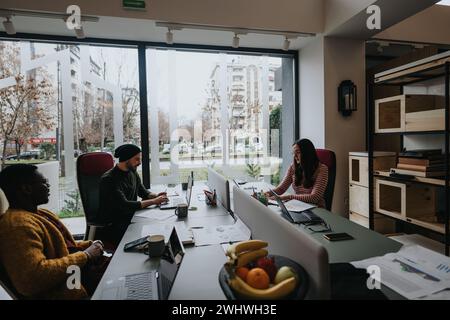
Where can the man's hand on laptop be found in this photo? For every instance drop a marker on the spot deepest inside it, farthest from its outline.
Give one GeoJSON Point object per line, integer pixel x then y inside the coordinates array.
{"type": "Point", "coordinates": [160, 199]}
{"type": "Point", "coordinates": [155, 201]}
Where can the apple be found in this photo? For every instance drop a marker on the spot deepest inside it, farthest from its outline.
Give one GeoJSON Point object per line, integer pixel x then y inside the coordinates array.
{"type": "Point", "coordinates": [284, 273]}
{"type": "Point", "coordinates": [268, 264]}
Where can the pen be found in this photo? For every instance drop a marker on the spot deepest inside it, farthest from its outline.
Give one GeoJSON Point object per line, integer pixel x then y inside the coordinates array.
{"type": "Point", "coordinates": [196, 227]}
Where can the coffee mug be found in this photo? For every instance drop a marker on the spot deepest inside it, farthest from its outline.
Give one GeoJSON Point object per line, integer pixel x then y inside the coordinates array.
{"type": "Point", "coordinates": [184, 186]}
{"type": "Point", "coordinates": [156, 245]}
{"type": "Point", "coordinates": [182, 210]}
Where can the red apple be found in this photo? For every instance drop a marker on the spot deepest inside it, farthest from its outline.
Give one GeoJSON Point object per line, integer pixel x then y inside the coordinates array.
{"type": "Point", "coordinates": [268, 264]}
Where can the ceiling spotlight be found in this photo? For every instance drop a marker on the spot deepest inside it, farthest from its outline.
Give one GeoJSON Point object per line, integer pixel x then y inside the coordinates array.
{"type": "Point", "coordinates": [235, 41]}
{"type": "Point", "coordinates": [286, 44]}
{"type": "Point", "coordinates": [9, 27]}
{"type": "Point", "coordinates": [169, 36]}
{"type": "Point", "coordinates": [80, 33]}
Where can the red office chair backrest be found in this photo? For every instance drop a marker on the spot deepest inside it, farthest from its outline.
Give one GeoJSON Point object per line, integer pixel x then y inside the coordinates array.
{"type": "Point", "coordinates": [328, 158]}
{"type": "Point", "coordinates": [90, 168]}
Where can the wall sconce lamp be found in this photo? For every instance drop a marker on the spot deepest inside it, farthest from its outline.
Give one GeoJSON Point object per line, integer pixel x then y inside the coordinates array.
{"type": "Point", "coordinates": [347, 98]}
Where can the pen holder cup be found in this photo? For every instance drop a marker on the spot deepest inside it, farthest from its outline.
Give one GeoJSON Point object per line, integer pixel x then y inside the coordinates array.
{"type": "Point", "coordinates": [210, 198]}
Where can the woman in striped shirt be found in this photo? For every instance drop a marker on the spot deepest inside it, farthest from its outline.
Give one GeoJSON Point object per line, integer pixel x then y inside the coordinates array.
{"type": "Point", "coordinates": [306, 174]}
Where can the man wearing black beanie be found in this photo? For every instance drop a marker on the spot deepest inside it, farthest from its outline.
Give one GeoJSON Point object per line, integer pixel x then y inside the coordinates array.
{"type": "Point", "coordinates": [119, 189]}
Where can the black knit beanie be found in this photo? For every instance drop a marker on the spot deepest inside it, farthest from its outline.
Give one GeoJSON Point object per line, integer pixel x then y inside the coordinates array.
{"type": "Point", "coordinates": [126, 151]}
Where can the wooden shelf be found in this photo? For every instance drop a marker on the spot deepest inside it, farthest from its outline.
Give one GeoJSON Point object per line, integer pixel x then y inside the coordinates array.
{"type": "Point", "coordinates": [436, 227]}
{"type": "Point", "coordinates": [428, 68]}
{"type": "Point", "coordinates": [432, 181]}
{"type": "Point", "coordinates": [406, 133]}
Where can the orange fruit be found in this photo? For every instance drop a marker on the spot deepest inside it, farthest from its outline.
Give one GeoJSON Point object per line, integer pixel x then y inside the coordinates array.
{"type": "Point", "coordinates": [258, 278]}
{"type": "Point", "coordinates": [242, 273]}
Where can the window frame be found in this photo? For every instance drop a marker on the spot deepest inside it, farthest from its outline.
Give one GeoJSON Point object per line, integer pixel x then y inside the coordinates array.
{"type": "Point", "coordinates": [142, 70]}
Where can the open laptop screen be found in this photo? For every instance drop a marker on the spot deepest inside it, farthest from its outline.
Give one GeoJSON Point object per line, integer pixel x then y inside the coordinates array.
{"type": "Point", "coordinates": [170, 265]}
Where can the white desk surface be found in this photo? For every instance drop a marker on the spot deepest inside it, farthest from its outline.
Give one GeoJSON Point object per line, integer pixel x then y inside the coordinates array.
{"type": "Point", "coordinates": [198, 274]}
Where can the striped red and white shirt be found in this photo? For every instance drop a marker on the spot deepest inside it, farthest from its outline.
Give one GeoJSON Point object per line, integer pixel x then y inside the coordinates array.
{"type": "Point", "coordinates": [314, 195]}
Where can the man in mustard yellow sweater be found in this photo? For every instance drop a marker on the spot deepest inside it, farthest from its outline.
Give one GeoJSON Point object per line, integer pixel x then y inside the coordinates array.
{"type": "Point", "coordinates": [36, 249]}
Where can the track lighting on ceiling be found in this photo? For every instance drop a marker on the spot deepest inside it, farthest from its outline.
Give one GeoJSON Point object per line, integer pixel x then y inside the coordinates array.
{"type": "Point", "coordinates": [237, 31]}
{"type": "Point", "coordinates": [235, 43]}
{"type": "Point", "coordinates": [9, 26]}
{"type": "Point", "coordinates": [286, 44]}
{"type": "Point", "coordinates": [169, 36]}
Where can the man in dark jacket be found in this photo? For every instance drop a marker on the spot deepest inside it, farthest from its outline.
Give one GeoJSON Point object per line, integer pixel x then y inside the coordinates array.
{"type": "Point", "coordinates": [119, 191]}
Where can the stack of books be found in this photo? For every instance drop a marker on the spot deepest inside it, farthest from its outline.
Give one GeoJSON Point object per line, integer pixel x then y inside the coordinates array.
{"type": "Point", "coordinates": [421, 163]}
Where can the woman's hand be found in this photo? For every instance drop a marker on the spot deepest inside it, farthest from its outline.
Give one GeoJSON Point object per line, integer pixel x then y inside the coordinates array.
{"type": "Point", "coordinates": [269, 195]}
{"type": "Point", "coordinates": [161, 194]}
{"type": "Point", "coordinates": [285, 198]}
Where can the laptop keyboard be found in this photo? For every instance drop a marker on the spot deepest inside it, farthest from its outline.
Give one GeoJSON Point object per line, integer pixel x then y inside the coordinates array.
{"type": "Point", "coordinates": [173, 202]}
{"type": "Point", "coordinates": [140, 285]}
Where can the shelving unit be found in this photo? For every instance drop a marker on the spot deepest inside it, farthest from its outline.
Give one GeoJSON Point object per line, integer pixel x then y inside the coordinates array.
{"type": "Point", "coordinates": [413, 201]}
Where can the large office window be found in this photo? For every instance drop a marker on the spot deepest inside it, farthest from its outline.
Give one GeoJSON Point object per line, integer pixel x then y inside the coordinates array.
{"type": "Point", "coordinates": [205, 108]}
{"type": "Point", "coordinates": [217, 109]}
{"type": "Point", "coordinates": [58, 101]}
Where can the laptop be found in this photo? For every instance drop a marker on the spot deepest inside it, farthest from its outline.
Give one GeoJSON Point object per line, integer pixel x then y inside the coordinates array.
{"type": "Point", "coordinates": [151, 285]}
{"type": "Point", "coordinates": [175, 201]}
{"type": "Point", "coordinates": [304, 217]}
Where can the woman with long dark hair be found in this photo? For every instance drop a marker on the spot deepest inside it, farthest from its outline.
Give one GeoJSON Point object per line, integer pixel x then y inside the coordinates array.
{"type": "Point", "coordinates": [306, 174]}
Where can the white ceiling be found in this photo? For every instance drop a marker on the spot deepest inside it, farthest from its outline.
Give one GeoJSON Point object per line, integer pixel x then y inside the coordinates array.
{"type": "Point", "coordinates": [145, 30]}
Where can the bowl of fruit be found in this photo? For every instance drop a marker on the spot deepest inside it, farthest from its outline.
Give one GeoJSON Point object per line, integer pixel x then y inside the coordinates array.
{"type": "Point", "coordinates": [252, 273]}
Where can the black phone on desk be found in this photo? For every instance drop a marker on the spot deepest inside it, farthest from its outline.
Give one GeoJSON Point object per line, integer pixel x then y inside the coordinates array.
{"type": "Point", "coordinates": [337, 236]}
{"type": "Point", "coordinates": [135, 244]}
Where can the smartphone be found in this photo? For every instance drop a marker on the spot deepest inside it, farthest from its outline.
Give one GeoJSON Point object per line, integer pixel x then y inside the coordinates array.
{"type": "Point", "coordinates": [136, 243]}
{"type": "Point", "coordinates": [337, 236]}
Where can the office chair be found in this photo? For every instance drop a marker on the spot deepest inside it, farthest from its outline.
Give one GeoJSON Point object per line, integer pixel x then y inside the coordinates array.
{"type": "Point", "coordinates": [3, 203]}
{"type": "Point", "coordinates": [90, 168]}
{"type": "Point", "coordinates": [328, 158]}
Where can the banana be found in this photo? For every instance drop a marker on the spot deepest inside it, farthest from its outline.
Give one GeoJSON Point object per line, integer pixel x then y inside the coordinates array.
{"type": "Point", "coordinates": [249, 256]}
{"type": "Point", "coordinates": [242, 246]}
{"type": "Point", "coordinates": [278, 291]}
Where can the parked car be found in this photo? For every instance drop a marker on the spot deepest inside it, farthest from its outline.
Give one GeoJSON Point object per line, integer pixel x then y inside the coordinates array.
{"type": "Point", "coordinates": [26, 155]}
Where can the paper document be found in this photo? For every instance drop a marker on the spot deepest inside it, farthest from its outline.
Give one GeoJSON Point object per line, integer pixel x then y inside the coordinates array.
{"type": "Point", "coordinates": [414, 272]}
{"type": "Point", "coordinates": [220, 234]}
{"type": "Point", "coordinates": [298, 206]}
{"type": "Point", "coordinates": [160, 215]}
{"type": "Point", "coordinates": [184, 233]}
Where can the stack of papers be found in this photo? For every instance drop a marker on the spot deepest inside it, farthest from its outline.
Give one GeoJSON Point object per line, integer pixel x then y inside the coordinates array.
{"type": "Point", "coordinates": [204, 236]}
{"type": "Point", "coordinates": [184, 233]}
{"type": "Point", "coordinates": [414, 272]}
{"type": "Point", "coordinates": [298, 206]}
{"type": "Point", "coordinates": [160, 215]}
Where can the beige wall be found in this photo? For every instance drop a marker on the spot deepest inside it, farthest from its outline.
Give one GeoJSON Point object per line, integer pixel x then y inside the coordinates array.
{"type": "Point", "coordinates": [344, 60]}
{"type": "Point", "coordinates": [338, 12]}
{"type": "Point", "coordinates": [324, 63]}
{"type": "Point", "coordinates": [432, 25]}
{"type": "Point", "coordinates": [311, 86]}
{"type": "Point", "coordinates": [286, 15]}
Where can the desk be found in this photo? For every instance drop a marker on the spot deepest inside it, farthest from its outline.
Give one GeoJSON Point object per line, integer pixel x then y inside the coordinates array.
{"type": "Point", "coordinates": [201, 265]}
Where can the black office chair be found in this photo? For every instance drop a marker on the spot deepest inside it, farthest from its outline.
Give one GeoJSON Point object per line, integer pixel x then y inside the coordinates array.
{"type": "Point", "coordinates": [328, 158]}
{"type": "Point", "coordinates": [90, 168]}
